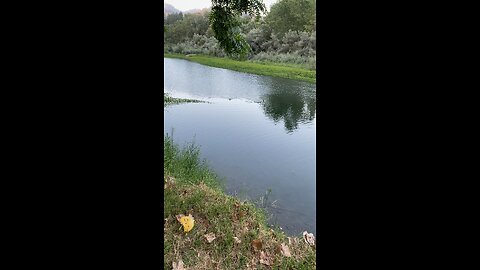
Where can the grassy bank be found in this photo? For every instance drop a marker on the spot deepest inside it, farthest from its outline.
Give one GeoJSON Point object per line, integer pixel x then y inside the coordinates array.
{"type": "Point", "coordinates": [259, 68]}
{"type": "Point", "coordinates": [242, 239]}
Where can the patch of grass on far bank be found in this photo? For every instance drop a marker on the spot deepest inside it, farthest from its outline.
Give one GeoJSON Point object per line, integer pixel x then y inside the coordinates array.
{"type": "Point", "coordinates": [259, 68]}
{"type": "Point", "coordinates": [192, 188]}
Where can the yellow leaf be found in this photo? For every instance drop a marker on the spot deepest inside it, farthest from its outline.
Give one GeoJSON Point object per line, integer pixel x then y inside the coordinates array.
{"type": "Point", "coordinates": [188, 222]}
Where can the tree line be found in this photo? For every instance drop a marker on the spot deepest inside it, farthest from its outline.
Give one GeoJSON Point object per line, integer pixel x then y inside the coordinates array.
{"type": "Point", "coordinates": [285, 35]}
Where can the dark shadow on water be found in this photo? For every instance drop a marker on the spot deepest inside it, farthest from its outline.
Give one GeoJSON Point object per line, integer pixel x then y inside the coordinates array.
{"type": "Point", "coordinates": [289, 104]}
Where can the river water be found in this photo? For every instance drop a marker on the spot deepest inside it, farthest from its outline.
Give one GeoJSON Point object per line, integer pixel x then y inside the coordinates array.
{"type": "Point", "coordinates": [256, 132]}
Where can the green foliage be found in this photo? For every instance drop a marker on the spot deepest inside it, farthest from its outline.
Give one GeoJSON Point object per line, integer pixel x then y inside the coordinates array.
{"type": "Point", "coordinates": [185, 164]}
{"type": "Point", "coordinates": [253, 7]}
{"type": "Point", "coordinates": [308, 62]}
{"type": "Point", "coordinates": [295, 15]}
{"type": "Point", "coordinates": [173, 18]}
{"type": "Point", "coordinates": [225, 22]}
{"type": "Point", "coordinates": [226, 29]}
{"type": "Point", "coordinates": [186, 27]}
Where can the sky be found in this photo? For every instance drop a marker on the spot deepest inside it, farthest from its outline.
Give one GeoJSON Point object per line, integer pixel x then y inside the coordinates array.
{"type": "Point", "coordinates": [184, 5]}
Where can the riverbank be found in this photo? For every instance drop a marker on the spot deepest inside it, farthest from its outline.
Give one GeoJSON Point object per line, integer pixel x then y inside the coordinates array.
{"type": "Point", "coordinates": [267, 69]}
{"type": "Point", "coordinates": [227, 233]}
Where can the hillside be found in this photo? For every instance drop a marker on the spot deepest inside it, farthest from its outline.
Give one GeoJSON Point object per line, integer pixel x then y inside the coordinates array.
{"type": "Point", "coordinates": [169, 9]}
{"type": "Point", "coordinates": [197, 11]}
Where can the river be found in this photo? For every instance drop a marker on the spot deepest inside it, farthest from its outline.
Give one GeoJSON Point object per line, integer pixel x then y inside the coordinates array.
{"type": "Point", "coordinates": [256, 132]}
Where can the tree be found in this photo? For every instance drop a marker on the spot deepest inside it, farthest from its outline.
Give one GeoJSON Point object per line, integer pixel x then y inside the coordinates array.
{"type": "Point", "coordinates": [224, 19]}
{"type": "Point", "coordinates": [174, 17]}
{"type": "Point", "coordinates": [187, 27]}
{"type": "Point", "coordinates": [295, 15]}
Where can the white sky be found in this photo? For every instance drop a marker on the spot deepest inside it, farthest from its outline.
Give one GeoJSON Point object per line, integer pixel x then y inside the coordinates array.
{"type": "Point", "coordinates": [185, 5]}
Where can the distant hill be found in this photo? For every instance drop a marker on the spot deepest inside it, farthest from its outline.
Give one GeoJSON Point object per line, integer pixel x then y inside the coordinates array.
{"type": "Point", "coordinates": [197, 10]}
{"type": "Point", "coordinates": [169, 9]}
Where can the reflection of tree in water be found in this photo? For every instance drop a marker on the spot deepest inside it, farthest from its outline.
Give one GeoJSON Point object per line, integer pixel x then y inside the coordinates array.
{"type": "Point", "coordinates": [290, 104]}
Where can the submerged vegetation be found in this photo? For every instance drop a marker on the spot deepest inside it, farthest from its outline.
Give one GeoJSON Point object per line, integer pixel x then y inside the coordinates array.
{"type": "Point", "coordinates": [288, 71]}
{"type": "Point", "coordinates": [168, 100]}
{"type": "Point", "coordinates": [227, 233]}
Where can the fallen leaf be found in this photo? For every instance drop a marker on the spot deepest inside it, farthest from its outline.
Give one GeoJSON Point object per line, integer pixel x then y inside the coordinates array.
{"type": "Point", "coordinates": [178, 266]}
{"type": "Point", "coordinates": [257, 244]}
{"type": "Point", "coordinates": [264, 259]}
{"type": "Point", "coordinates": [309, 238]}
{"type": "Point", "coordinates": [252, 265]}
{"type": "Point", "coordinates": [187, 222]}
{"type": "Point", "coordinates": [210, 237]}
{"type": "Point", "coordinates": [285, 251]}
{"type": "Point", "coordinates": [169, 181]}
{"type": "Point", "coordinates": [238, 241]}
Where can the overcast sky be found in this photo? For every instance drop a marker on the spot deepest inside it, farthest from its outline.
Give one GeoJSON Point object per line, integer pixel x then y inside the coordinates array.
{"type": "Point", "coordinates": [185, 5]}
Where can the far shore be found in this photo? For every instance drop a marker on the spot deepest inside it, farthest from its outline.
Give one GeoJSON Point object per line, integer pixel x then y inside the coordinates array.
{"type": "Point", "coordinates": [260, 68]}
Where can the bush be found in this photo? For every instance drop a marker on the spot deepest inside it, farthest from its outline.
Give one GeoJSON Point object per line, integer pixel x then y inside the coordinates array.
{"type": "Point", "coordinates": [296, 58]}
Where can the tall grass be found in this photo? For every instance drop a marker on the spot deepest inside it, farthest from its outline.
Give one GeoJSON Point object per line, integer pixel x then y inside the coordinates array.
{"type": "Point", "coordinates": [186, 165]}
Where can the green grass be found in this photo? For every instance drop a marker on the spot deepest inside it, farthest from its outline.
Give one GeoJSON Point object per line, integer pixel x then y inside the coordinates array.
{"type": "Point", "coordinates": [288, 71]}
{"type": "Point", "coordinates": [192, 188]}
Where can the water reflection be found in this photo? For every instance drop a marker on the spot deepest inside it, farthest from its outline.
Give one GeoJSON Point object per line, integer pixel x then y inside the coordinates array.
{"type": "Point", "coordinates": [291, 107]}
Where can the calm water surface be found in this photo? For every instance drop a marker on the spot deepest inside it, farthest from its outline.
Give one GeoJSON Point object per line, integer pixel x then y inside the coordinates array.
{"type": "Point", "coordinates": [256, 132]}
